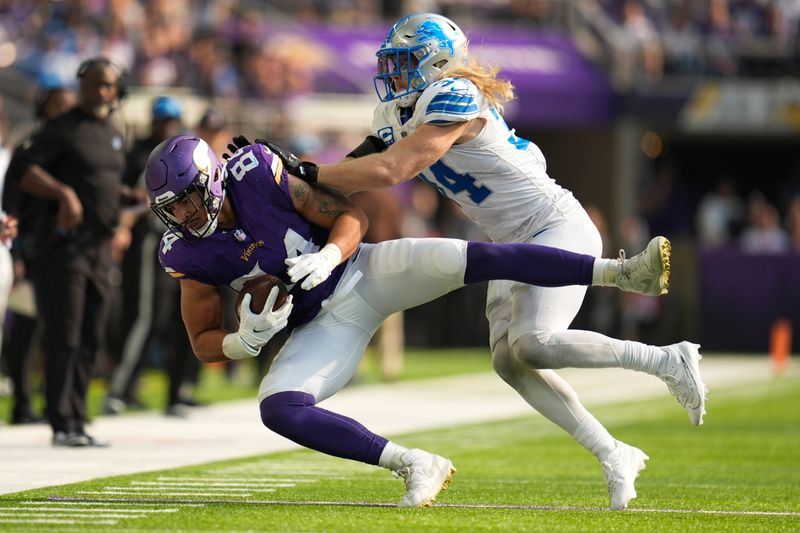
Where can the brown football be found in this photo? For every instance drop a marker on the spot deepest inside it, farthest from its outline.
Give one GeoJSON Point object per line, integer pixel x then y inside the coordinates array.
{"type": "Point", "coordinates": [259, 288]}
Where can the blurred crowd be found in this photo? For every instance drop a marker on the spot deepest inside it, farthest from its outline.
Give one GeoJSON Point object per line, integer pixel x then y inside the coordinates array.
{"type": "Point", "coordinates": [754, 223]}
{"type": "Point", "coordinates": [215, 48]}
{"type": "Point", "coordinates": [708, 37]}
{"type": "Point", "coordinates": [224, 48]}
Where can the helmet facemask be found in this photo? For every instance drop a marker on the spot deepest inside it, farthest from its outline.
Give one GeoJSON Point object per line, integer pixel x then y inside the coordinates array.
{"type": "Point", "coordinates": [396, 64]}
{"type": "Point", "coordinates": [199, 196]}
{"type": "Point", "coordinates": [183, 170]}
{"type": "Point", "coordinates": [418, 49]}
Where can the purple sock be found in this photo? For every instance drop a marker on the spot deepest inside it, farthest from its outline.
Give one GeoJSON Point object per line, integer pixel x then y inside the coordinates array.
{"type": "Point", "coordinates": [527, 263]}
{"type": "Point", "coordinates": [293, 415]}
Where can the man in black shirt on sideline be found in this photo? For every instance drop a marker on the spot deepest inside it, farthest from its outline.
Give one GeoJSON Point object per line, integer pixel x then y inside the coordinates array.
{"type": "Point", "coordinates": [76, 163]}
{"type": "Point", "coordinates": [50, 103]}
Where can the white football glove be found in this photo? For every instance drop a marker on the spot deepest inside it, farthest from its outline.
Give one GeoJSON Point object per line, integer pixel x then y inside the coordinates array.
{"type": "Point", "coordinates": [256, 329]}
{"type": "Point", "coordinates": [314, 267]}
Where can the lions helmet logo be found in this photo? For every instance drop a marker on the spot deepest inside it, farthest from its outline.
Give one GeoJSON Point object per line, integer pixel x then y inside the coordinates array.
{"type": "Point", "coordinates": [431, 30]}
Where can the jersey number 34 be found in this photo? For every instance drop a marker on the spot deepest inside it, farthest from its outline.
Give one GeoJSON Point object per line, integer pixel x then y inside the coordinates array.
{"type": "Point", "coordinates": [456, 183]}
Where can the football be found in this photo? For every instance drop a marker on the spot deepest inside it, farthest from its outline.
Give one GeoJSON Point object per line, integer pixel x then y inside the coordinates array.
{"type": "Point", "coordinates": [259, 288]}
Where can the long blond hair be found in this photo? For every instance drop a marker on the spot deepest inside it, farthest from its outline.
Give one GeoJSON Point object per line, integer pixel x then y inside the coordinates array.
{"type": "Point", "coordinates": [496, 91]}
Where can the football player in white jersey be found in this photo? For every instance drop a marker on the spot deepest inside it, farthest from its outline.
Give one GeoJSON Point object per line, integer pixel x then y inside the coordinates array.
{"type": "Point", "coordinates": [440, 118]}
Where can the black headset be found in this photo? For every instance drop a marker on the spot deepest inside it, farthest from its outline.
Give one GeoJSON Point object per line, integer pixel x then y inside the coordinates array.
{"type": "Point", "coordinates": [122, 74]}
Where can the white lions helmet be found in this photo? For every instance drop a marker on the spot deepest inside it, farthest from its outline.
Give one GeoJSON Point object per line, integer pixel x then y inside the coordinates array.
{"type": "Point", "coordinates": [418, 48]}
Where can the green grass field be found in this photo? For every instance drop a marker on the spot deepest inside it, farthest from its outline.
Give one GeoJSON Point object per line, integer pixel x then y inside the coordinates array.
{"type": "Point", "coordinates": [739, 472]}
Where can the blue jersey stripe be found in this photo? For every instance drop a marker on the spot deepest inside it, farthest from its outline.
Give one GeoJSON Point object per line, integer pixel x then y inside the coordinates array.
{"type": "Point", "coordinates": [454, 98]}
{"type": "Point", "coordinates": [452, 108]}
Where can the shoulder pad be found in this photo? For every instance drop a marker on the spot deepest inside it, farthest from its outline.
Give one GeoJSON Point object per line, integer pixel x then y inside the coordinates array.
{"type": "Point", "coordinates": [448, 101]}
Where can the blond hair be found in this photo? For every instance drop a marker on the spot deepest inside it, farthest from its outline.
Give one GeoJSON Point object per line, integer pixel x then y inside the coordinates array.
{"type": "Point", "coordinates": [496, 91]}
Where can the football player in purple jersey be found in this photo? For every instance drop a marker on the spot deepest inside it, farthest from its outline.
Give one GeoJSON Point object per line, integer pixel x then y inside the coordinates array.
{"type": "Point", "coordinates": [229, 223]}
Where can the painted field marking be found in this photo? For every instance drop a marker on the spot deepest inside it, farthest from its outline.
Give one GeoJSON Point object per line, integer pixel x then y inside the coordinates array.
{"type": "Point", "coordinates": [89, 502]}
{"type": "Point", "coordinates": [58, 508]}
{"type": "Point", "coordinates": [56, 521]}
{"type": "Point", "coordinates": [211, 479]}
{"type": "Point", "coordinates": [465, 506]}
{"type": "Point", "coordinates": [225, 490]}
{"type": "Point", "coordinates": [75, 516]}
{"type": "Point", "coordinates": [215, 485]}
{"type": "Point", "coordinates": [134, 493]}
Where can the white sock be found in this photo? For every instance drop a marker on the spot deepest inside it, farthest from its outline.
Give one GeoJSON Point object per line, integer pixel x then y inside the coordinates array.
{"type": "Point", "coordinates": [644, 358]}
{"type": "Point", "coordinates": [594, 437]}
{"type": "Point", "coordinates": [605, 272]}
{"type": "Point", "coordinates": [391, 456]}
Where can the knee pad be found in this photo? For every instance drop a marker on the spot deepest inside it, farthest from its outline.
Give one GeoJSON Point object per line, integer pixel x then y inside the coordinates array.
{"type": "Point", "coordinates": [444, 258]}
{"type": "Point", "coordinates": [532, 350]}
{"type": "Point", "coordinates": [390, 257]}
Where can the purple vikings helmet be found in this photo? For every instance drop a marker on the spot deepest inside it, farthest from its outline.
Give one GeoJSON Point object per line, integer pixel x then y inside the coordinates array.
{"type": "Point", "coordinates": [178, 167]}
{"type": "Point", "coordinates": [421, 46]}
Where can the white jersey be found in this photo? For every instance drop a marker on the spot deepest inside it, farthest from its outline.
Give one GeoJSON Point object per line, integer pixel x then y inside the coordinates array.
{"type": "Point", "coordinates": [499, 180]}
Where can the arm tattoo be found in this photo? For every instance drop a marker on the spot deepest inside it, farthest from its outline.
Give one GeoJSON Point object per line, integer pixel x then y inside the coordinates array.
{"type": "Point", "coordinates": [329, 204]}
{"type": "Point", "coordinates": [320, 201]}
{"type": "Point", "coordinates": [300, 191]}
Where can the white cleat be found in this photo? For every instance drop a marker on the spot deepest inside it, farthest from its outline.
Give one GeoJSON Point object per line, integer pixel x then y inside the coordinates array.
{"type": "Point", "coordinates": [647, 272]}
{"type": "Point", "coordinates": [684, 381]}
{"type": "Point", "coordinates": [425, 475]}
{"type": "Point", "coordinates": [621, 468]}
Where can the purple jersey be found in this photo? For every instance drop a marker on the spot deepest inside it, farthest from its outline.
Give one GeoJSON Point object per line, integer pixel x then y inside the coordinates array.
{"type": "Point", "coordinates": [268, 230]}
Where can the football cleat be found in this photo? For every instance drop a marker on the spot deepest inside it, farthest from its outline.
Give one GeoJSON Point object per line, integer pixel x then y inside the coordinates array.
{"type": "Point", "coordinates": [683, 379]}
{"type": "Point", "coordinates": [63, 439]}
{"type": "Point", "coordinates": [425, 475]}
{"type": "Point", "coordinates": [647, 272]}
{"type": "Point", "coordinates": [621, 468]}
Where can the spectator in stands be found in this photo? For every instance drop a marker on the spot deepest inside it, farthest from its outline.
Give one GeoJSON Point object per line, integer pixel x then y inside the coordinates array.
{"type": "Point", "coordinates": [50, 102]}
{"type": "Point", "coordinates": [720, 39]}
{"type": "Point", "coordinates": [213, 128]}
{"type": "Point", "coordinates": [683, 41]}
{"type": "Point", "coordinates": [720, 214]}
{"type": "Point", "coordinates": [209, 70]}
{"type": "Point", "coordinates": [764, 234]}
{"type": "Point", "coordinates": [75, 162]}
{"type": "Point", "coordinates": [644, 42]}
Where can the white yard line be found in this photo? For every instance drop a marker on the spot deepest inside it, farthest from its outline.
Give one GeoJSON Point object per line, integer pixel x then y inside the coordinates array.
{"type": "Point", "coordinates": [148, 442]}
{"type": "Point", "coordinates": [571, 508]}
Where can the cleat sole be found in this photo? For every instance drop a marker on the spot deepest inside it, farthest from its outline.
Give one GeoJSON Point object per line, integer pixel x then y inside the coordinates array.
{"type": "Point", "coordinates": [445, 485]}
{"type": "Point", "coordinates": [665, 252]}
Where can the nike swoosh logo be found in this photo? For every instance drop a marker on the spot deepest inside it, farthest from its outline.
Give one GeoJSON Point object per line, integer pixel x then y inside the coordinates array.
{"type": "Point", "coordinates": [254, 348]}
{"type": "Point", "coordinates": [260, 330]}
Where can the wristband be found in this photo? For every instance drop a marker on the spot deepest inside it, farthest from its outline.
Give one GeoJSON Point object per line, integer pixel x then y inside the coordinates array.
{"type": "Point", "coordinates": [307, 171]}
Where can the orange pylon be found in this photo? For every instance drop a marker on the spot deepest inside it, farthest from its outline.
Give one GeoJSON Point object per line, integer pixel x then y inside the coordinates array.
{"type": "Point", "coordinates": [780, 345]}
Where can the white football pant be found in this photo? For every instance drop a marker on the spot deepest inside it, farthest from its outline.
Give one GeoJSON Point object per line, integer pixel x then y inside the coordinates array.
{"type": "Point", "coordinates": [322, 356]}
{"type": "Point", "coordinates": [529, 334]}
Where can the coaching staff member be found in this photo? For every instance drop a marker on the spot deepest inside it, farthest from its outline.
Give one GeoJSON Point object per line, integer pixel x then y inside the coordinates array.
{"type": "Point", "coordinates": [76, 163]}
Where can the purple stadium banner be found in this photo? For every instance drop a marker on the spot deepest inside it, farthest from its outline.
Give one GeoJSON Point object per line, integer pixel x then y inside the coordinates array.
{"type": "Point", "coordinates": [742, 295]}
{"type": "Point", "coordinates": [555, 84]}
